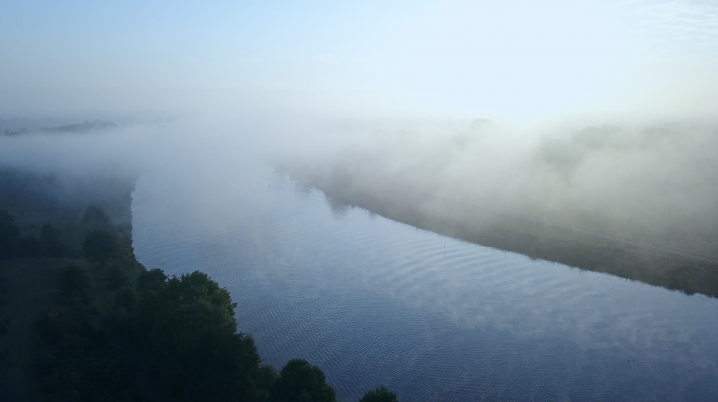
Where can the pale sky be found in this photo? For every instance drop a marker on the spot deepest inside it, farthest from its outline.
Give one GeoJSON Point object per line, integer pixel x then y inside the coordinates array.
{"type": "Point", "coordinates": [464, 58]}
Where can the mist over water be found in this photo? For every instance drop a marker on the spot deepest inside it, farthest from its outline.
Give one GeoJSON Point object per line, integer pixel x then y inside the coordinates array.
{"type": "Point", "coordinates": [654, 183]}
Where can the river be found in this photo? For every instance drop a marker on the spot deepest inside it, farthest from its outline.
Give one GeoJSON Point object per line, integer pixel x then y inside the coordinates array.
{"type": "Point", "coordinates": [375, 302]}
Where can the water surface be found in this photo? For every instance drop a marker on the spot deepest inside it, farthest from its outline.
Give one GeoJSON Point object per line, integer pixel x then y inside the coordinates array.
{"type": "Point", "coordinates": [375, 302]}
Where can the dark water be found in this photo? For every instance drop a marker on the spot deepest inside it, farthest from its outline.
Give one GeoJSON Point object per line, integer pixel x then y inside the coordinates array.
{"type": "Point", "coordinates": [374, 302]}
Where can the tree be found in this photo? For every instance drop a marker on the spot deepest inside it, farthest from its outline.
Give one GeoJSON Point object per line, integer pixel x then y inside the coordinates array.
{"type": "Point", "coordinates": [96, 218]}
{"type": "Point", "coordinates": [380, 394]}
{"type": "Point", "coordinates": [7, 224]}
{"type": "Point", "coordinates": [115, 277]}
{"type": "Point", "coordinates": [29, 246]}
{"type": "Point", "coordinates": [48, 234]}
{"type": "Point", "coordinates": [192, 307]}
{"type": "Point", "coordinates": [266, 377]}
{"type": "Point", "coordinates": [74, 282]}
{"type": "Point", "coordinates": [300, 381]}
{"type": "Point", "coordinates": [192, 326]}
{"type": "Point", "coordinates": [9, 234]}
{"type": "Point", "coordinates": [100, 245]}
{"type": "Point", "coordinates": [49, 241]}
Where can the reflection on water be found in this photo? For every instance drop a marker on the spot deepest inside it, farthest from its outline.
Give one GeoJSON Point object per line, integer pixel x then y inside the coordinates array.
{"type": "Point", "coordinates": [338, 208]}
{"type": "Point", "coordinates": [374, 302]}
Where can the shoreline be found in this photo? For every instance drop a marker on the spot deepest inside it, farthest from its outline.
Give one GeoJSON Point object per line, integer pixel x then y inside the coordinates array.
{"type": "Point", "coordinates": [462, 220]}
{"type": "Point", "coordinates": [88, 321]}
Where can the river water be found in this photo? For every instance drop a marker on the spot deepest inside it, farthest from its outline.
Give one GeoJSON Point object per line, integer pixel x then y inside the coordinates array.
{"type": "Point", "coordinates": [375, 302]}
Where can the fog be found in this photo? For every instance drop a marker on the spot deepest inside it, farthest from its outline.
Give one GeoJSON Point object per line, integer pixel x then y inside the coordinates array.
{"type": "Point", "coordinates": [655, 183]}
{"type": "Point", "coordinates": [594, 116]}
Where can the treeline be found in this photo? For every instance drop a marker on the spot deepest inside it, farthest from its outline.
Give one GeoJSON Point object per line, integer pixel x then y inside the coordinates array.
{"type": "Point", "coordinates": [120, 332]}
{"type": "Point", "coordinates": [12, 244]}
{"type": "Point", "coordinates": [673, 269]}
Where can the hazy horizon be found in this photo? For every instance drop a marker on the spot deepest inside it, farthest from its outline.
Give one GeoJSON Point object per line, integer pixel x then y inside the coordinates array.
{"type": "Point", "coordinates": [515, 61]}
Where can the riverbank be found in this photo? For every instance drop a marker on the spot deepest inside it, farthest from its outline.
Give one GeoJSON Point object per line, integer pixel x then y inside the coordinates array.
{"type": "Point", "coordinates": [81, 319]}
{"type": "Point", "coordinates": [492, 227]}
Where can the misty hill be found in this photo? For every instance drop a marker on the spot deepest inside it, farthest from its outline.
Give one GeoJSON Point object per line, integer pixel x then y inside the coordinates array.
{"type": "Point", "coordinates": [640, 204]}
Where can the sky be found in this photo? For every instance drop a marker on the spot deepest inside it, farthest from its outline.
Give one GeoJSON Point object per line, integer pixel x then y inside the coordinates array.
{"type": "Point", "coordinates": [508, 59]}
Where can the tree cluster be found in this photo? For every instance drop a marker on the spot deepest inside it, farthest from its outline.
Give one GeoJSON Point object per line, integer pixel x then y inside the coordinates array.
{"type": "Point", "coordinates": [187, 324]}
{"type": "Point", "coordinates": [12, 244]}
{"type": "Point", "coordinates": [77, 361]}
{"type": "Point", "coordinates": [120, 332]}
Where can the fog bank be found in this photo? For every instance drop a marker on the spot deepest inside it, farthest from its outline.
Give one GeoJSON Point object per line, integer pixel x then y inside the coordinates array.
{"type": "Point", "coordinates": [654, 184]}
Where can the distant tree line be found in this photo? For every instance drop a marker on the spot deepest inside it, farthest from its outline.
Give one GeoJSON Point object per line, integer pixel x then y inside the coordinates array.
{"type": "Point", "coordinates": [77, 128]}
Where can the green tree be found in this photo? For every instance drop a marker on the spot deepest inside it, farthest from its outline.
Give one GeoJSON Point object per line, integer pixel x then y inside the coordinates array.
{"type": "Point", "coordinates": [29, 246]}
{"type": "Point", "coordinates": [9, 234]}
{"type": "Point", "coordinates": [100, 245]}
{"type": "Point", "coordinates": [152, 280]}
{"type": "Point", "coordinates": [192, 326]}
{"type": "Point", "coordinates": [50, 241]}
{"type": "Point", "coordinates": [300, 381]}
{"type": "Point", "coordinates": [48, 234]}
{"type": "Point", "coordinates": [96, 218]}
{"type": "Point", "coordinates": [380, 394]}
{"type": "Point", "coordinates": [74, 282]}
{"type": "Point", "coordinates": [266, 378]}
{"type": "Point", "coordinates": [125, 301]}
{"type": "Point", "coordinates": [7, 224]}
{"type": "Point", "coordinates": [116, 277]}
{"type": "Point", "coordinates": [150, 288]}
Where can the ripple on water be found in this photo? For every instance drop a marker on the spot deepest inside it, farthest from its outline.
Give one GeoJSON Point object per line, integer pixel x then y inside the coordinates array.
{"type": "Point", "coordinates": [375, 302]}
